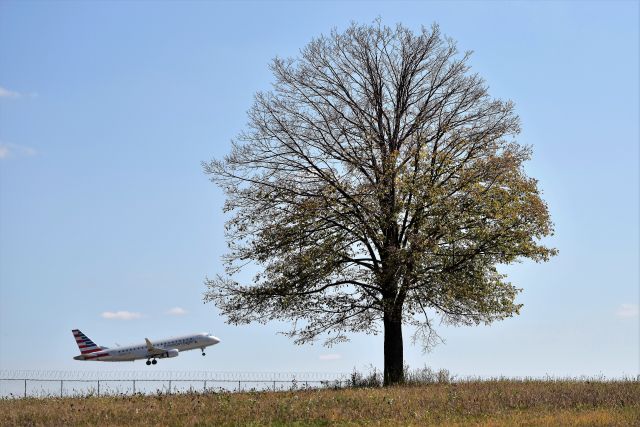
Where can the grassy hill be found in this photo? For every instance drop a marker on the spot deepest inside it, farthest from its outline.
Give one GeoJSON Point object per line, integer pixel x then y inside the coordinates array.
{"type": "Point", "coordinates": [486, 403]}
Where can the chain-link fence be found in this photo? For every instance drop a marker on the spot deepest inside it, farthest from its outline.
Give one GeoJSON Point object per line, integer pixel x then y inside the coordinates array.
{"type": "Point", "coordinates": [100, 383]}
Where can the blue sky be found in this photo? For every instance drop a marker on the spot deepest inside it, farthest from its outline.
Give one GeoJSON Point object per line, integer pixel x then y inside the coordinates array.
{"type": "Point", "coordinates": [107, 110]}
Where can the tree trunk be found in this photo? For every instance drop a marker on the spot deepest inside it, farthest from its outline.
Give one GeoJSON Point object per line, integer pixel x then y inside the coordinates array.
{"type": "Point", "coordinates": [393, 355]}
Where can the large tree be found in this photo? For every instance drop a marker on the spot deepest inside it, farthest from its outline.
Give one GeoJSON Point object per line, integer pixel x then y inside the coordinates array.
{"type": "Point", "coordinates": [376, 184]}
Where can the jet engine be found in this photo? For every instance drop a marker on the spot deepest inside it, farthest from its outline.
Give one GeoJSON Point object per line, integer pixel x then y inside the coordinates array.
{"type": "Point", "coordinates": [169, 353]}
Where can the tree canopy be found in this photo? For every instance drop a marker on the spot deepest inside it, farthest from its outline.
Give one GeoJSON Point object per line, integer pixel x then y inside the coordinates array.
{"type": "Point", "coordinates": [376, 184]}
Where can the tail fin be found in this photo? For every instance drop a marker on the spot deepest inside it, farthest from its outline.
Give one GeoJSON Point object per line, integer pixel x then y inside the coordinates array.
{"type": "Point", "coordinates": [84, 343]}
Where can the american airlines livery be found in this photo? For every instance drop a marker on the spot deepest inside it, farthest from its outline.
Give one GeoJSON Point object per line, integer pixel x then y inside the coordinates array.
{"type": "Point", "coordinates": [151, 351]}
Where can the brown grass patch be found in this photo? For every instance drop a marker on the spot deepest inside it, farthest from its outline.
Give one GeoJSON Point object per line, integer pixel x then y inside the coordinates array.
{"type": "Point", "coordinates": [481, 403]}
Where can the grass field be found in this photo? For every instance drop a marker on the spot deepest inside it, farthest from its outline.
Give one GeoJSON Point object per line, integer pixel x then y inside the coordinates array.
{"type": "Point", "coordinates": [485, 403]}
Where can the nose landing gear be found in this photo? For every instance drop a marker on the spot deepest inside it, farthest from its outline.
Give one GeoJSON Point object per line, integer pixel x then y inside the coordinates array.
{"type": "Point", "coordinates": [202, 349]}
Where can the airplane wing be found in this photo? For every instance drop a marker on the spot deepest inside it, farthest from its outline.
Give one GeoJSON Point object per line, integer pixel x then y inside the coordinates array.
{"type": "Point", "coordinates": [153, 350]}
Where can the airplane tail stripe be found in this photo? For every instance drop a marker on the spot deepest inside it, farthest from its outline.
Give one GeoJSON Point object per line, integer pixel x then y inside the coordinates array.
{"type": "Point", "coordinates": [84, 343]}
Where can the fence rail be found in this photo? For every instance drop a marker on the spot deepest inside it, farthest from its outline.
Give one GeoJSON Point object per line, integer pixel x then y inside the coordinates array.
{"type": "Point", "coordinates": [74, 383]}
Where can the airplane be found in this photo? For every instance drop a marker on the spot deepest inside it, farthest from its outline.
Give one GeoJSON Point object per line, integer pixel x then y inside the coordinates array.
{"type": "Point", "coordinates": [160, 349]}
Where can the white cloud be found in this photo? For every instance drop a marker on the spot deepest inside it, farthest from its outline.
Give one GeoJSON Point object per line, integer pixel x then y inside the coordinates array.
{"type": "Point", "coordinates": [177, 311]}
{"type": "Point", "coordinates": [121, 315]}
{"type": "Point", "coordinates": [12, 150]}
{"type": "Point", "coordinates": [6, 93]}
{"type": "Point", "coordinates": [12, 94]}
{"type": "Point", "coordinates": [627, 310]}
{"type": "Point", "coordinates": [332, 356]}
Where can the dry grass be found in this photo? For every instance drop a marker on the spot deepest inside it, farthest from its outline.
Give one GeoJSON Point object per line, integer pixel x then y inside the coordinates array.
{"type": "Point", "coordinates": [482, 403]}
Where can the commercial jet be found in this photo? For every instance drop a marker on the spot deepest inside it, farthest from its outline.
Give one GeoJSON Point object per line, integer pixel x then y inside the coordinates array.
{"type": "Point", "coordinates": [151, 351]}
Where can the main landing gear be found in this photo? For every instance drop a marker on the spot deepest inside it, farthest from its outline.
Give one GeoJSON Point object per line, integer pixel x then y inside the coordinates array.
{"type": "Point", "coordinates": [149, 362]}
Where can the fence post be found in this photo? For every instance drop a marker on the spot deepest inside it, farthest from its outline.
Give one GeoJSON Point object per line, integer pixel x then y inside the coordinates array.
{"type": "Point", "coordinates": [169, 386]}
{"type": "Point", "coordinates": [98, 388]}
{"type": "Point", "coordinates": [60, 388]}
{"type": "Point", "coordinates": [239, 385]}
{"type": "Point", "coordinates": [25, 388]}
{"type": "Point", "coordinates": [205, 386]}
{"type": "Point", "coordinates": [274, 385]}
{"type": "Point", "coordinates": [134, 386]}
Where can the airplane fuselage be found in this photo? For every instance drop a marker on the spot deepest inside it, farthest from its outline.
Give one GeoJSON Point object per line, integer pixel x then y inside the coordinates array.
{"type": "Point", "coordinates": [156, 349]}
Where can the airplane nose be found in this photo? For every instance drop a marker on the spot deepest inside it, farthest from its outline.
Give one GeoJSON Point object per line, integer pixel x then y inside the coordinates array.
{"type": "Point", "coordinates": [214, 340]}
